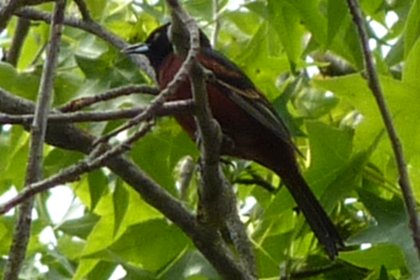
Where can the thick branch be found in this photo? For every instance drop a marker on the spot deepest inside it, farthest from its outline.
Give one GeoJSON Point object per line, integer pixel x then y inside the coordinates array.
{"type": "Point", "coordinates": [216, 196]}
{"type": "Point", "coordinates": [38, 131]}
{"type": "Point", "coordinates": [376, 89]}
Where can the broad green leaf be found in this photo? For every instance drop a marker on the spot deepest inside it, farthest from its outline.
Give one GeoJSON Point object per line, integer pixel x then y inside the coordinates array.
{"type": "Point", "coordinates": [330, 149]}
{"type": "Point", "coordinates": [412, 29]}
{"type": "Point", "coordinates": [312, 18]}
{"type": "Point", "coordinates": [80, 227]}
{"type": "Point", "coordinates": [391, 227]}
{"type": "Point", "coordinates": [84, 268]}
{"type": "Point", "coordinates": [200, 8]}
{"type": "Point", "coordinates": [8, 76]}
{"type": "Point", "coordinates": [286, 21]}
{"type": "Point", "coordinates": [371, 7]}
{"type": "Point", "coordinates": [97, 8]}
{"type": "Point", "coordinates": [179, 268]}
{"type": "Point", "coordinates": [66, 86]}
{"type": "Point", "coordinates": [120, 198]}
{"type": "Point", "coordinates": [93, 67]}
{"type": "Point", "coordinates": [159, 152]}
{"type": "Point", "coordinates": [271, 252]}
{"type": "Point", "coordinates": [58, 159]}
{"type": "Point", "coordinates": [281, 202]}
{"type": "Point", "coordinates": [98, 185]}
{"type": "Point", "coordinates": [337, 13]}
{"type": "Point", "coordinates": [15, 170]}
{"type": "Point", "coordinates": [102, 270]}
{"type": "Point", "coordinates": [33, 46]}
{"type": "Point", "coordinates": [373, 257]}
{"type": "Point", "coordinates": [150, 244]}
{"type": "Point", "coordinates": [412, 65]}
{"type": "Point", "coordinates": [27, 84]}
{"type": "Point", "coordinates": [101, 234]}
{"type": "Point", "coordinates": [248, 23]}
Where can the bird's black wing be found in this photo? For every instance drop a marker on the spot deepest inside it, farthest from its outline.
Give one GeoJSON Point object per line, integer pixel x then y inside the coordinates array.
{"type": "Point", "coordinates": [242, 91]}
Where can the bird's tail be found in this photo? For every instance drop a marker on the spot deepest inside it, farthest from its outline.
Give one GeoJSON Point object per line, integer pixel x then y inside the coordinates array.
{"type": "Point", "coordinates": [315, 215]}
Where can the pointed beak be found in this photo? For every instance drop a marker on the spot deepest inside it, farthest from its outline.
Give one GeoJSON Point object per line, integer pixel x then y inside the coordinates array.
{"type": "Point", "coordinates": [141, 48]}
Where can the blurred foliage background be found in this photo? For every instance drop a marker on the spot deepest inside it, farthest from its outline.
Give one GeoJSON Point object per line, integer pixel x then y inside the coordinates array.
{"type": "Point", "coordinates": [305, 56]}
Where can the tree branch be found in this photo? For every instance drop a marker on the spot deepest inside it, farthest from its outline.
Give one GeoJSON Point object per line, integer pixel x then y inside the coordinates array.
{"type": "Point", "coordinates": [216, 196]}
{"type": "Point", "coordinates": [6, 12]}
{"type": "Point", "coordinates": [83, 102]}
{"type": "Point", "coordinates": [19, 37]}
{"type": "Point", "coordinates": [375, 87]}
{"type": "Point", "coordinates": [38, 131]}
{"type": "Point", "coordinates": [84, 11]}
{"type": "Point", "coordinates": [168, 109]}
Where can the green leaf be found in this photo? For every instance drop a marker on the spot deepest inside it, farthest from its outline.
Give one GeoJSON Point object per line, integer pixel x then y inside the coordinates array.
{"type": "Point", "coordinates": [150, 244]}
{"type": "Point", "coordinates": [15, 171]}
{"type": "Point", "coordinates": [286, 21]}
{"type": "Point", "coordinates": [8, 76]}
{"type": "Point", "coordinates": [120, 198]}
{"type": "Point", "coordinates": [84, 268]}
{"type": "Point", "coordinates": [271, 252]}
{"type": "Point", "coordinates": [58, 159]}
{"type": "Point", "coordinates": [312, 18]}
{"type": "Point", "coordinates": [337, 13]}
{"type": "Point", "coordinates": [102, 270]}
{"type": "Point", "coordinates": [330, 147]}
{"type": "Point", "coordinates": [412, 65]}
{"type": "Point", "coordinates": [373, 258]}
{"type": "Point", "coordinates": [391, 227]}
{"type": "Point", "coordinates": [180, 267]}
{"type": "Point", "coordinates": [97, 8]}
{"type": "Point", "coordinates": [98, 185]}
{"type": "Point", "coordinates": [412, 28]}
{"type": "Point", "coordinates": [80, 227]}
{"type": "Point", "coordinates": [159, 152]}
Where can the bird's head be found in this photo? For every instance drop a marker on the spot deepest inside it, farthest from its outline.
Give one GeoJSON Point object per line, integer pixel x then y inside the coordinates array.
{"type": "Point", "coordinates": [158, 46]}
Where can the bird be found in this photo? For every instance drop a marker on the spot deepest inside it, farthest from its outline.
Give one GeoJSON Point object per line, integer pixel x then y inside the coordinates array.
{"type": "Point", "coordinates": [251, 127]}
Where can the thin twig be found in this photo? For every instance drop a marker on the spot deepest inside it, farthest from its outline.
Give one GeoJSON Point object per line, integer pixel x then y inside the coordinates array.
{"type": "Point", "coordinates": [7, 10]}
{"type": "Point", "coordinates": [168, 109]}
{"type": "Point", "coordinates": [6, 13]}
{"type": "Point", "coordinates": [22, 29]}
{"type": "Point", "coordinates": [83, 102]}
{"type": "Point", "coordinates": [38, 131]}
{"type": "Point", "coordinates": [376, 89]}
{"type": "Point", "coordinates": [84, 11]}
{"type": "Point", "coordinates": [216, 22]}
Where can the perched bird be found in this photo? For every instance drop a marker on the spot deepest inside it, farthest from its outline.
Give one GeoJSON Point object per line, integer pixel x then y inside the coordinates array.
{"type": "Point", "coordinates": [253, 129]}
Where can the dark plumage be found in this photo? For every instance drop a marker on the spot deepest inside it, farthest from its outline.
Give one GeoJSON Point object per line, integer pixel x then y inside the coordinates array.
{"type": "Point", "coordinates": [254, 129]}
